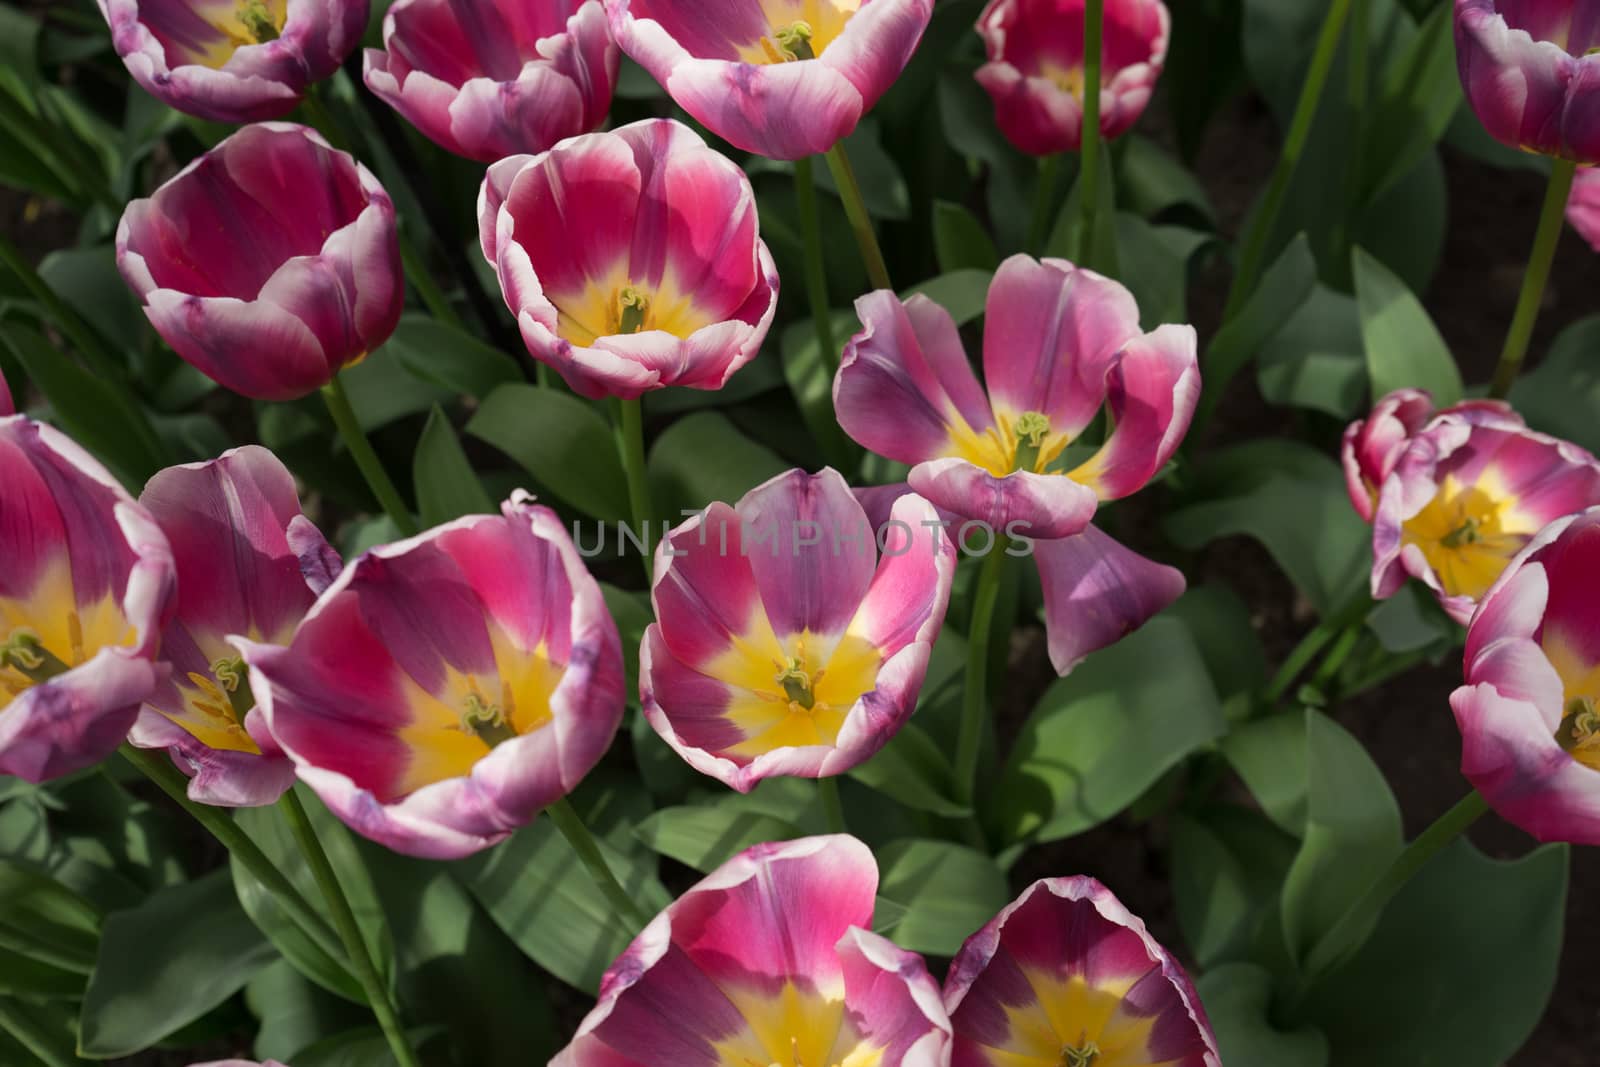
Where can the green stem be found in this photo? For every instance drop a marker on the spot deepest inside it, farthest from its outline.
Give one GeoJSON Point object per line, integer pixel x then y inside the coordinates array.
{"type": "Point", "coordinates": [855, 209]}
{"type": "Point", "coordinates": [355, 439]}
{"type": "Point", "coordinates": [220, 825]}
{"type": "Point", "coordinates": [344, 920]}
{"type": "Point", "coordinates": [1387, 667]}
{"type": "Point", "coordinates": [1346, 935]}
{"type": "Point", "coordinates": [832, 809]}
{"type": "Point", "coordinates": [1089, 154]}
{"type": "Point", "coordinates": [1346, 644]}
{"type": "Point", "coordinates": [975, 703]}
{"type": "Point", "coordinates": [1352, 616]}
{"type": "Point", "coordinates": [33, 1037]}
{"type": "Point", "coordinates": [1044, 201]}
{"type": "Point", "coordinates": [805, 191]}
{"type": "Point", "coordinates": [627, 425]}
{"type": "Point", "coordinates": [583, 843]}
{"type": "Point", "coordinates": [1551, 221]}
{"type": "Point", "coordinates": [422, 281]}
{"type": "Point", "coordinates": [1305, 113]}
{"type": "Point", "coordinates": [1356, 94]}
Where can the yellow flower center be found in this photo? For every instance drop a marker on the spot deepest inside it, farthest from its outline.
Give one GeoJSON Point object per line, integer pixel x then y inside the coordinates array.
{"type": "Point", "coordinates": [796, 692]}
{"type": "Point", "coordinates": [794, 1027]}
{"type": "Point", "coordinates": [1467, 533]}
{"type": "Point", "coordinates": [1579, 732]}
{"type": "Point", "coordinates": [1070, 1023]}
{"type": "Point", "coordinates": [619, 306]}
{"type": "Point", "coordinates": [1069, 80]}
{"type": "Point", "coordinates": [48, 633]}
{"type": "Point", "coordinates": [1024, 442]}
{"type": "Point", "coordinates": [798, 29]}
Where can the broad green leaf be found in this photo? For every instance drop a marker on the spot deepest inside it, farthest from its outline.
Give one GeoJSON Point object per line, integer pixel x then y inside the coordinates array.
{"type": "Point", "coordinates": [1219, 622]}
{"type": "Point", "coordinates": [705, 837]}
{"type": "Point", "coordinates": [382, 391]}
{"type": "Point", "coordinates": [1420, 92]}
{"type": "Point", "coordinates": [1154, 264]}
{"type": "Point", "coordinates": [1315, 360]}
{"type": "Point", "coordinates": [1283, 288]}
{"type": "Point", "coordinates": [1226, 865]}
{"type": "Point", "coordinates": [960, 241]}
{"type": "Point", "coordinates": [1412, 620]}
{"type": "Point", "coordinates": [1152, 182]}
{"type": "Point", "coordinates": [1104, 734]}
{"type": "Point", "coordinates": [1352, 833]}
{"type": "Point", "coordinates": [633, 615]}
{"type": "Point", "coordinates": [1269, 755]}
{"type": "Point", "coordinates": [88, 281]}
{"type": "Point", "coordinates": [948, 892]}
{"type": "Point", "coordinates": [1561, 393]}
{"type": "Point", "coordinates": [963, 293]}
{"type": "Point", "coordinates": [811, 383]}
{"type": "Point", "coordinates": [449, 358]}
{"type": "Point", "coordinates": [913, 771]}
{"type": "Point", "coordinates": [883, 188]}
{"type": "Point", "coordinates": [26, 978]}
{"type": "Point", "coordinates": [45, 921]}
{"type": "Point", "coordinates": [49, 1029]}
{"type": "Point", "coordinates": [447, 487]}
{"type": "Point", "coordinates": [1066, 238]}
{"type": "Point", "coordinates": [294, 1013]}
{"type": "Point", "coordinates": [1404, 348]}
{"type": "Point", "coordinates": [560, 440]}
{"type": "Point", "coordinates": [166, 963]}
{"type": "Point", "coordinates": [703, 459]}
{"type": "Point", "coordinates": [1238, 998]}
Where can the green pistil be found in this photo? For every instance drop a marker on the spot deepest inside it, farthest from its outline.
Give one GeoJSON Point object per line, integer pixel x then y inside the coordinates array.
{"type": "Point", "coordinates": [1465, 534]}
{"type": "Point", "coordinates": [797, 685]}
{"type": "Point", "coordinates": [24, 652]}
{"type": "Point", "coordinates": [486, 720]}
{"type": "Point", "coordinates": [794, 41]}
{"type": "Point", "coordinates": [635, 306]}
{"type": "Point", "coordinates": [1082, 1055]}
{"type": "Point", "coordinates": [231, 673]}
{"type": "Point", "coordinates": [256, 19]}
{"type": "Point", "coordinates": [1580, 726]}
{"type": "Point", "coordinates": [1032, 428]}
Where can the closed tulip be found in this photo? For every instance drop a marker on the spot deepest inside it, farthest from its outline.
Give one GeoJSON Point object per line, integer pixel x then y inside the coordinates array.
{"type": "Point", "coordinates": [269, 263]}
{"type": "Point", "coordinates": [1530, 74]}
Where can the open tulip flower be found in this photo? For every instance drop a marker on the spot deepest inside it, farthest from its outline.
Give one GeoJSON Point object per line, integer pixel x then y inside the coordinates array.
{"type": "Point", "coordinates": [238, 538]}
{"type": "Point", "coordinates": [269, 263]}
{"type": "Point", "coordinates": [1530, 75]}
{"type": "Point", "coordinates": [768, 960]}
{"type": "Point", "coordinates": [447, 688]}
{"type": "Point", "coordinates": [233, 60]}
{"type": "Point", "coordinates": [1035, 72]}
{"type": "Point", "coordinates": [1465, 497]}
{"type": "Point", "coordinates": [780, 78]}
{"type": "Point", "coordinates": [1373, 446]}
{"type": "Point", "coordinates": [1529, 727]}
{"type": "Point", "coordinates": [487, 80]}
{"type": "Point", "coordinates": [784, 645]}
{"type": "Point", "coordinates": [631, 259]}
{"type": "Point", "coordinates": [87, 581]}
{"type": "Point", "coordinates": [1067, 976]}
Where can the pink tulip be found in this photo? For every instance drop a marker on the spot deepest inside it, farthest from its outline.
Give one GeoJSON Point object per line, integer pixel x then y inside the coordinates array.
{"type": "Point", "coordinates": [1067, 975]}
{"type": "Point", "coordinates": [240, 573]}
{"type": "Point", "coordinates": [1465, 497]}
{"type": "Point", "coordinates": [1530, 734]}
{"type": "Point", "coordinates": [1583, 206]}
{"type": "Point", "coordinates": [233, 60]}
{"type": "Point", "coordinates": [447, 688]}
{"type": "Point", "coordinates": [1372, 446]}
{"type": "Point", "coordinates": [631, 259]}
{"type": "Point", "coordinates": [780, 78]}
{"type": "Point", "coordinates": [768, 960]}
{"type": "Point", "coordinates": [7, 406]}
{"type": "Point", "coordinates": [269, 263]}
{"type": "Point", "coordinates": [88, 578]}
{"type": "Point", "coordinates": [1035, 73]}
{"type": "Point", "coordinates": [784, 645]}
{"type": "Point", "coordinates": [1528, 73]}
{"type": "Point", "coordinates": [489, 79]}
{"type": "Point", "coordinates": [1059, 344]}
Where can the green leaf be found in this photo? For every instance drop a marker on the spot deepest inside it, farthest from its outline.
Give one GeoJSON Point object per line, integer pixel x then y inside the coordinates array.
{"type": "Point", "coordinates": [963, 293]}
{"type": "Point", "coordinates": [538, 892]}
{"type": "Point", "coordinates": [1104, 734]}
{"type": "Point", "coordinates": [1421, 91]}
{"type": "Point", "coordinates": [166, 963]}
{"type": "Point", "coordinates": [811, 383]}
{"type": "Point", "coordinates": [1219, 622]}
{"type": "Point", "coordinates": [1560, 395]}
{"type": "Point", "coordinates": [448, 357]}
{"type": "Point", "coordinates": [703, 459]}
{"type": "Point", "coordinates": [447, 486]}
{"type": "Point", "coordinates": [960, 241]}
{"type": "Point", "coordinates": [883, 188]}
{"type": "Point", "coordinates": [1284, 287]}
{"type": "Point", "coordinates": [382, 391]}
{"type": "Point", "coordinates": [28, 979]}
{"type": "Point", "coordinates": [1315, 360]}
{"type": "Point", "coordinates": [1412, 620]}
{"type": "Point", "coordinates": [913, 771]}
{"type": "Point", "coordinates": [1270, 755]}
{"type": "Point", "coordinates": [1152, 182]}
{"type": "Point", "coordinates": [705, 837]}
{"type": "Point", "coordinates": [294, 1013]}
{"type": "Point", "coordinates": [45, 921]}
{"type": "Point", "coordinates": [633, 615]}
{"type": "Point", "coordinates": [1404, 348]}
{"type": "Point", "coordinates": [1459, 970]}
{"type": "Point", "coordinates": [88, 281]}
{"type": "Point", "coordinates": [560, 440]}
{"type": "Point", "coordinates": [1155, 266]}
{"type": "Point", "coordinates": [948, 892]}
{"type": "Point", "coordinates": [1238, 998]}
{"type": "Point", "coordinates": [1227, 863]}
{"type": "Point", "coordinates": [1352, 833]}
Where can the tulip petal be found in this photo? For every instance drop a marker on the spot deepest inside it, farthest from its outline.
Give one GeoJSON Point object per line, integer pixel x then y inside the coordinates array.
{"type": "Point", "coordinates": [1021, 504]}
{"type": "Point", "coordinates": [1153, 388]}
{"type": "Point", "coordinates": [75, 720]}
{"type": "Point", "coordinates": [1096, 592]}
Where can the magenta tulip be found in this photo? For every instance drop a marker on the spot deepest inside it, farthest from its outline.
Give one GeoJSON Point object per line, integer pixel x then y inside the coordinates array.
{"type": "Point", "coordinates": [1067, 975]}
{"type": "Point", "coordinates": [233, 60]}
{"type": "Point", "coordinates": [87, 582]}
{"type": "Point", "coordinates": [269, 263]}
{"type": "Point", "coordinates": [1529, 73]}
{"type": "Point", "coordinates": [1465, 497]}
{"type": "Point", "coordinates": [1583, 206]}
{"type": "Point", "coordinates": [7, 405]}
{"type": "Point", "coordinates": [447, 688]}
{"type": "Point", "coordinates": [1530, 732]}
{"type": "Point", "coordinates": [768, 960]}
{"type": "Point", "coordinates": [1035, 73]}
{"type": "Point", "coordinates": [240, 573]}
{"type": "Point", "coordinates": [631, 259]}
{"type": "Point", "coordinates": [784, 645]}
{"type": "Point", "coordinates": [487, 80]}
{"type": "Point", "coordinates": [781, 78]}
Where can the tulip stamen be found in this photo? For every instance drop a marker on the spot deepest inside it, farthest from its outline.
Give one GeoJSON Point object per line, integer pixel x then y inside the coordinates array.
{"type": "Point", "coordinates": [486, 720]}
{"type": "Point", "coordinates": [797, 684]}
{"type": "Point", "coordinates": [1465, 534]}
{"type": "Point", "coordinates": [1031, 429]}
{"type": "Point", "coordinates": [1082, 1055]}
{"type": "Point", "coordinates": [1580, 727]}
{"type": "Point", "coordinates": [633, 306]}
{"type": "Point", "coordinates": [258, 21]}
{"type": "Point", "coordinates": [234, 678]}
{"type": "Point", "coordinates": [25, 653]}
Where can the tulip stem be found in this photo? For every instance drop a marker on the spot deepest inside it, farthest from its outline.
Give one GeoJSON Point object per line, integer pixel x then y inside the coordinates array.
{"type": "Point", "coordinates": [31, 1036]}
{"type": "Point", "coordinates": [975, 704]}
{"type": "Point", "coordinates": [355, 439]}
{"type": "Point", "coordinates": [570, 823]}
{"type": "Point", "coordinates": [805, 192]}
{"type": "Point", "coordinates": [344, 920]}
{"type": "Point", "coordinates": [627, 425]}
{"type": "Point", "coordinates": [1300, 657]}
{"type": "Point", "coordinates": [1265, 219]}
{"type": "Point", "coordinates": [155, 766]}
{"type": "Point", "coordinates": [1551, 220]}
{"type": "Point", "coordinates": [855, 208]}
{"type": "Point", "coordinates": [832, 809]}
{"type": "Point", "coordinates": [1044, 200]}
{"type": "Point", "coordinates": [1355, 925]}
{"type": "Point", "coordinates": [1094, 19]}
